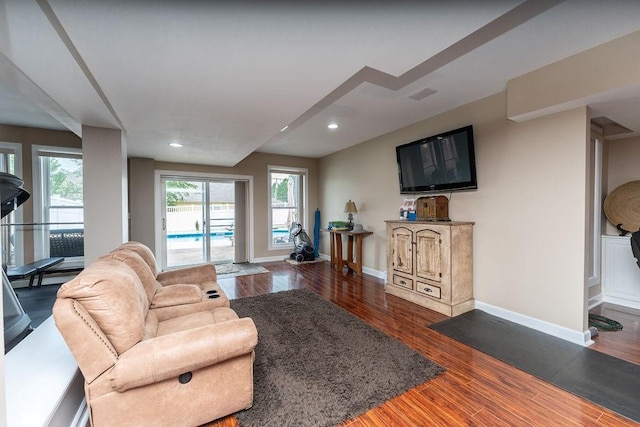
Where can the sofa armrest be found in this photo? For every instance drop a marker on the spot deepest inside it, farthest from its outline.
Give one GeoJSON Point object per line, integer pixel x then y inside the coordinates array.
{"type": "Point", "coordinates": [168, 356]}
{"type": "Point", "coordinates": [170, 296]}
{"type": "Point", "coordinates": [197, 274]}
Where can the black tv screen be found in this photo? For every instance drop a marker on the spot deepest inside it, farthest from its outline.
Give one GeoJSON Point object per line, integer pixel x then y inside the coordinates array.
{"type": "Point", "coordinates": [443, 162]}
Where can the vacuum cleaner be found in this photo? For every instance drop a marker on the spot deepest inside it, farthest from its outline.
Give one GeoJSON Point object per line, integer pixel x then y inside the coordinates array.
{"type": "Point", "coordinates": [304, 250]}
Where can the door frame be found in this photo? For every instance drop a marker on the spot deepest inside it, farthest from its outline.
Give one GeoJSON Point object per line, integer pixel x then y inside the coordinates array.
{"type": "Point", "coordinates": [159, 174]}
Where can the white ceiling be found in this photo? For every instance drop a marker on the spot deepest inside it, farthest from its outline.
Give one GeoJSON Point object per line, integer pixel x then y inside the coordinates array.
{"type": "Point", "coordinates": [224, 77]}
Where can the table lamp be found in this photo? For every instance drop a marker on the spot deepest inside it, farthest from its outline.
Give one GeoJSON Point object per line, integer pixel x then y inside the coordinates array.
{"type": "Point", "coordinates": [350, 208]}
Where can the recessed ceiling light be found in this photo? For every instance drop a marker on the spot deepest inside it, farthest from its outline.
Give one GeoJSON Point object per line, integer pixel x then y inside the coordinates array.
{"type": "Point", "coordinates": [333, 126]}
{"type": "Point", "coordinates": [175, 144]}
{"type": "Point", "coordinates": [284, 128]}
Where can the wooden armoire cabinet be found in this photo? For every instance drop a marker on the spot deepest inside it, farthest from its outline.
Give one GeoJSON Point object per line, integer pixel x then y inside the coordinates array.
{"type": "Point", "coordinates": [430, 263]}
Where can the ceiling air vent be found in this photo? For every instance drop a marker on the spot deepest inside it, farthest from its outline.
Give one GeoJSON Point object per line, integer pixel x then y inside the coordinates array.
{"type": "Point", "coordinates": [423, 94]}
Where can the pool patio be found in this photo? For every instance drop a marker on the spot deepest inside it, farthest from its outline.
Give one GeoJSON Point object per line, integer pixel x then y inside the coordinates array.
{"type": "Point", "coordinates": [184, 252]}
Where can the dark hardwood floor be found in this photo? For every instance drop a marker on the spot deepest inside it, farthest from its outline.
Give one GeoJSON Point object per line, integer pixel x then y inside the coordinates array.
{"type": "Point", "coordinates": [475, 390]}
{"type": "Point", "coordinates": [624, 344]}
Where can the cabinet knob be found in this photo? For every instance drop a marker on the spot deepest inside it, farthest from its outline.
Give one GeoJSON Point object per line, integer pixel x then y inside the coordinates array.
{"type": "Point", "coordinates": [402, 282]}
{"type": "Point", "coordinates": [428, 290]}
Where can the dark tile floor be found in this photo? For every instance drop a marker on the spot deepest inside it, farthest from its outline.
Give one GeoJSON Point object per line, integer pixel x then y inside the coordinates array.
{"type": "Point", "coordinates": [37, 302]}
{"type": "Point", "coordinates": [598, 377]}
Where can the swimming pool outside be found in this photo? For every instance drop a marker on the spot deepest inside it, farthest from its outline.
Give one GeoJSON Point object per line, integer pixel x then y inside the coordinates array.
{"type": "Point", "coordinates": [188, 248]}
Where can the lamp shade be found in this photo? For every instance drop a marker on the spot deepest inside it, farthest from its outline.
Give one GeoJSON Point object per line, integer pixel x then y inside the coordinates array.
{"type": "Point", "coordinates": [350, 207]}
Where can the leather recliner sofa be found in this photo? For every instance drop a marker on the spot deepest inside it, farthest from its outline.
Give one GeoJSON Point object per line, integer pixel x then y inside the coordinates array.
{"type": "Point", "coordinates": [183, 370]}
{"type": "Point", "coordinates": [195, 290]}
{"type": "Point", "coordinates": [202, 275]}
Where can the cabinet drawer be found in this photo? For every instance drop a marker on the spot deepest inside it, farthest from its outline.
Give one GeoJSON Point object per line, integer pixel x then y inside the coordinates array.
{"type": "Point", "coordinates": [402, 281]}
{"type": "Point", "coordinates": [426, 289]}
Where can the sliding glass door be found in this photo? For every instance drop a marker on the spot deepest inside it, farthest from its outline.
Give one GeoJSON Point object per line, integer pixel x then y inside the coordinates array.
{"type": "Point", "coordinates": [198, 221]}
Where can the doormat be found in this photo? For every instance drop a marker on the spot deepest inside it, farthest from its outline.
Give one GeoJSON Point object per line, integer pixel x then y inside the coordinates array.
{"type": "Point", "coordinates": [241, 269]}
{"type": "Point", "coordinates": [318, 365]}
{"type": "Point", "coordinates": [294, 262]}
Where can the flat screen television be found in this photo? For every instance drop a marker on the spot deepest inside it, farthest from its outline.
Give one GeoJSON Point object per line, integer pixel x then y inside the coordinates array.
{"type": "Point", "coordinates": [444, 162]}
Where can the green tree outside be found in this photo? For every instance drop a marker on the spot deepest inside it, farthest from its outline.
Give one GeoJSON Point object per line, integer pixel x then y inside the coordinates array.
{"type": "Point", "coordinates": [279, 190]}
{"type": "Point", "coordinates": [66, 182]}
{"type": "Point", "coordinates": [174, 195]}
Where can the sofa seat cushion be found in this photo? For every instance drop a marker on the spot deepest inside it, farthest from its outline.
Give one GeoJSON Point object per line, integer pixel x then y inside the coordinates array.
{"type": "Point", "coordinates": [195, 320]}
{"type": "Point", "coordinates": [110, 291]}
{"type": "Point", "coordinates": [176, 295]}
{"type": "Point", "coordinates": [207, 302]}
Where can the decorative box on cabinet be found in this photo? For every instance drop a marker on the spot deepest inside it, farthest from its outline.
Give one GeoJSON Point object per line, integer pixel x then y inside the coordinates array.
{"type": "Point", "coordinates": [431, 264]}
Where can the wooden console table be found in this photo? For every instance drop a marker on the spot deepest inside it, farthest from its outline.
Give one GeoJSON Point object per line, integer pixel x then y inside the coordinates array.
{"type": "Point", "coordinates": [354, 249]}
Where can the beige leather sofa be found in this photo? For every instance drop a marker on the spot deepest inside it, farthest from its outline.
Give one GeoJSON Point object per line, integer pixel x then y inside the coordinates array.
{"type": "Point", "coordinates": [145, 366]}
{"type": "Point", "coordinates": [203, 275]}
{"type": "Point", "coordinates": [190, 289]}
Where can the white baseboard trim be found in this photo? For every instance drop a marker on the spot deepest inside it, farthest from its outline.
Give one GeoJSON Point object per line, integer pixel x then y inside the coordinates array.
{"type": "Point", "coordinates": [622, 302]}
{"type": "Point", "coordinates": [268, 259]}
{"type": "Point", "coordinates": [595, 301]}
{"type": "Point", "coordinates": [370, 271]}
{"type": "Point", "coordinates": [376, 273]}
{"type": "Point", "coordinates": [576, 337]}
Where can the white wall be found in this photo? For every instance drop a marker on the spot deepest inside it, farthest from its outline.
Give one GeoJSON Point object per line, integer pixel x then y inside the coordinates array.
{"type": "Point", "coordinates": [529, 209]}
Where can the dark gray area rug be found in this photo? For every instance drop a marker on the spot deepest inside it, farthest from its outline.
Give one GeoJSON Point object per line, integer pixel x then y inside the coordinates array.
{"type": "Point", "coordinates": [605, 380]}
{"type": "Point", "coordinates": [318, 365]}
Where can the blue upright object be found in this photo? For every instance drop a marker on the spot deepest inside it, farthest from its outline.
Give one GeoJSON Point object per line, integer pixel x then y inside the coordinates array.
{"type": "Point", "coordinates": [316, 233]}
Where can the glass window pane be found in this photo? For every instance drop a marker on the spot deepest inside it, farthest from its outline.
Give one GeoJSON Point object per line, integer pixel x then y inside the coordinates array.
{"type": "Point", "coordinates": [59, 190]}
{"type": "Point", "coordinates": [7, 233]}
{"type": "Point", "coordinates": [65, 177]}
{"type": "Point", "coordinates": [284, 189]}
{"type": "Point", "coordinates": [281, 221]}
{"type": "Point", "coordinates": [286, 202]}
{"type": "Point", "coordinates": [70, 217]}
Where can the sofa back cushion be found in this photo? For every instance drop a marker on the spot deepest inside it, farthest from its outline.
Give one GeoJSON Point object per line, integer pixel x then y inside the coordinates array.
{"type": "Point", "coordinates": [144, 252]}
{"type": "Point", "coordinates": [112, 294]}
{"type": "Point", "coordinates": [140, 267]}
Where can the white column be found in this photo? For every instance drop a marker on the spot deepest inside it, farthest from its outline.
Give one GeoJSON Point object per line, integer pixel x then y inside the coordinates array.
{"type": "Point", "coordinates": [104, 158]}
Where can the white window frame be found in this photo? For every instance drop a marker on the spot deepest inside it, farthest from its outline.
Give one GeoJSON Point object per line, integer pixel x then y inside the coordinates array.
{"type": "Point", "coordinates": [159, 206]}
{"type": "Point", "coordinates": [40, 188]}
{"type": "Point", "coordinates": [303, 208]}
{"type": "Point", "coordinates": [594, 213]}
{"type": "Point", "coordinates": [18, 217]}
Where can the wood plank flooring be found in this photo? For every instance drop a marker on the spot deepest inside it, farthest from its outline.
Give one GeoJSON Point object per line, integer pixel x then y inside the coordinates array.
{"type": "Point", "coordinates": [624, 344]}
{"type": "Point", "coordinates": [476, 389]}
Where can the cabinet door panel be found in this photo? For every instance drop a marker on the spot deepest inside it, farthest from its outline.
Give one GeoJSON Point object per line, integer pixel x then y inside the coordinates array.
{"type": "Point", "coordinates": [428, 259]}
{"type": "Point", "coordinates": [402, 250]}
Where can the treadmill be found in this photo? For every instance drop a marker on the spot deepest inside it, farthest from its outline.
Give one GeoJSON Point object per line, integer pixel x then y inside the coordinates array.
{"type": "Point", "coordinates": [17, 323]}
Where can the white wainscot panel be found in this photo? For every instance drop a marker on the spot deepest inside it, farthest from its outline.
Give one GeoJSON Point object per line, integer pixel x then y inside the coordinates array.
{"type": "Point", "coordinates": [621, 274]}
